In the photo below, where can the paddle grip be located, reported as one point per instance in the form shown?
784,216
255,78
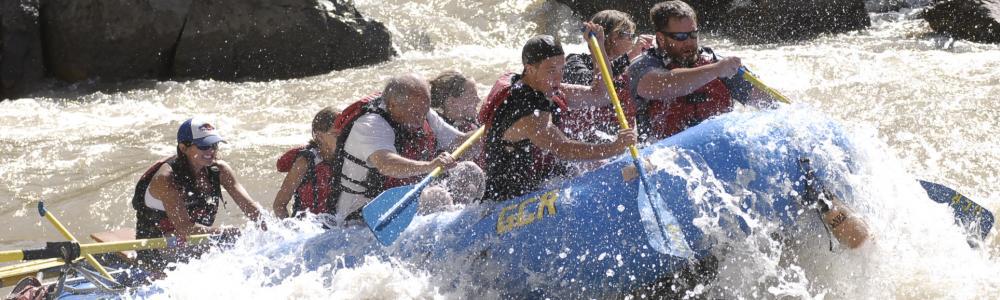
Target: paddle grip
67,251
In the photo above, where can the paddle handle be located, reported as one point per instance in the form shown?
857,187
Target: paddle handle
412,195
760,85
461,148
610,85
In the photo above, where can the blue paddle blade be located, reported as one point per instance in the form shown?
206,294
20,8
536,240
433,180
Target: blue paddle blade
385,224
968,213
662,229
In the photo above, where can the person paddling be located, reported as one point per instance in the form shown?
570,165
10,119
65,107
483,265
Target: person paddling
594,124
180,195
680,84
310,179
523,137
390,139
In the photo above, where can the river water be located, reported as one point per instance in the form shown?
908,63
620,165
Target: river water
929,104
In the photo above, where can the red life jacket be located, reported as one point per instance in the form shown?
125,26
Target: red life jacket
415,145
315,190
582,123
201,207
670,117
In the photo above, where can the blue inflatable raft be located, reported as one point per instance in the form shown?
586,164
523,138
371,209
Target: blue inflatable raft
589,235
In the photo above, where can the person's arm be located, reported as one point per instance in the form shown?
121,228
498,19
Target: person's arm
670,84
642,43
538,128
227,178
394,165
163,188
288,186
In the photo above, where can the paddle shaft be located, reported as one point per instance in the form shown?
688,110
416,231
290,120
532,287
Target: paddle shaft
760,85
98,248
609,84
66,234
412,194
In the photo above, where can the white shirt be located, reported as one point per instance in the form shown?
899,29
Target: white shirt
372,133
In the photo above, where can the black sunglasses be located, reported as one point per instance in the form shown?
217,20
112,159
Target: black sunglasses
206,148
203,148
681,36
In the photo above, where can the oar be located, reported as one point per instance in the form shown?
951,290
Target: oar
966,211
393,210
647,192
72,249
69,236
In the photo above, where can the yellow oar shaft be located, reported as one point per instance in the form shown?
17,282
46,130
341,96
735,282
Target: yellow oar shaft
106,247
461,148
760,85
610,85
65,233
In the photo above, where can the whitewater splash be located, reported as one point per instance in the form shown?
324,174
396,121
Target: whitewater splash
913,253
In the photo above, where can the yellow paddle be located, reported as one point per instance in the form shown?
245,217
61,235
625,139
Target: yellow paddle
674,241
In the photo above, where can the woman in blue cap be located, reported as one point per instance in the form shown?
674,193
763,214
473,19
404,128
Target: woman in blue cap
180,195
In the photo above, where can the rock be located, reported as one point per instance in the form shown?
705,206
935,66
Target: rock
111,39
117,40
265,39
974,20
21,64
752,21
767,21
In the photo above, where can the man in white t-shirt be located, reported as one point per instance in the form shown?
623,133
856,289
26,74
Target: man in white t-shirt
382,152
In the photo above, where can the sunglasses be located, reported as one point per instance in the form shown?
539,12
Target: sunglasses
626,34
204,148
681,36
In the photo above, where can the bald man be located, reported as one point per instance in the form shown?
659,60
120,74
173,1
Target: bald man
392,141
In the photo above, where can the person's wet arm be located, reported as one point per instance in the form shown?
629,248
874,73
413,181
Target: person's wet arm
670,84
239,194
288,186
541,132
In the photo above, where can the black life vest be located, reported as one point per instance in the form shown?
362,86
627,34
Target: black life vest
202,207
514,168
314,193
415,145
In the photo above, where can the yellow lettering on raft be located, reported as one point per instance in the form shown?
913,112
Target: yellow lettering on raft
508,220
522,218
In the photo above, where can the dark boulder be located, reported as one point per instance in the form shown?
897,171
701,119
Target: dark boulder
752,21
974,20
111,39
21,64
264,39
117,40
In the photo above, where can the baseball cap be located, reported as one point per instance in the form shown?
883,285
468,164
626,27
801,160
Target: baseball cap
540,47
199,131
